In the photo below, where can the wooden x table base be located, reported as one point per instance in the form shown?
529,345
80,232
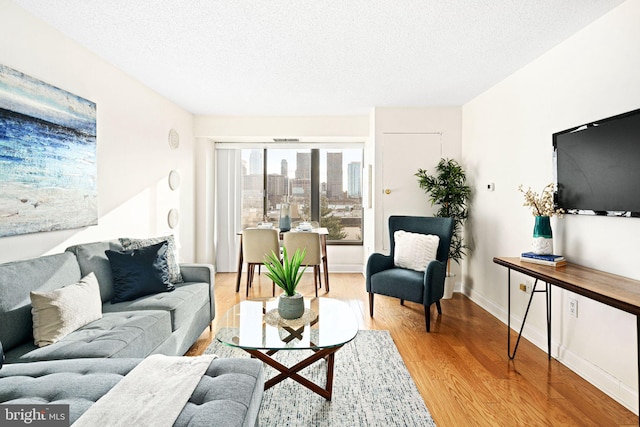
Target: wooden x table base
292,372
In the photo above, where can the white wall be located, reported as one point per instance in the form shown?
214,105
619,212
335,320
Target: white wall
133,123
210,129
265,128
444,120
507,140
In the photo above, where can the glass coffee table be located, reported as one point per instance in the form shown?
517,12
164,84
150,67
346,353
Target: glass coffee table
256,327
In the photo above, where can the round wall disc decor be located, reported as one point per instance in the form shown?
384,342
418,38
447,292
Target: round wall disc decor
173,218
174,139
174,179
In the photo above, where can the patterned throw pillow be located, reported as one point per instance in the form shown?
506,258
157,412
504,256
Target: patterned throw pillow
413,250
172,253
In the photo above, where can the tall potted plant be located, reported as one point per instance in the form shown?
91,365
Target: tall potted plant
448,189
286,274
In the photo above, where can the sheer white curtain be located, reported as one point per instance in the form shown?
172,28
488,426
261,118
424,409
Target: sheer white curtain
228,208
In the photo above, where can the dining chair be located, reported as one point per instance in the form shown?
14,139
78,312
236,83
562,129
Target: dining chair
313,257
257,244
325,265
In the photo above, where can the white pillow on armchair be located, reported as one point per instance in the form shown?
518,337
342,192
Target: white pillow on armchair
413,250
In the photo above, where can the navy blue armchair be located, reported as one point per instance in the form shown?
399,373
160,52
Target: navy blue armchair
422,287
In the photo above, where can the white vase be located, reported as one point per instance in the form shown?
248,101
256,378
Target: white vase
542,243
542,246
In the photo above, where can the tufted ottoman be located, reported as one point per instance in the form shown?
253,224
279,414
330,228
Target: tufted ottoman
229,394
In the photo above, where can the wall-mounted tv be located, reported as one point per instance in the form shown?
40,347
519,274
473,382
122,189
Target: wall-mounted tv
597,167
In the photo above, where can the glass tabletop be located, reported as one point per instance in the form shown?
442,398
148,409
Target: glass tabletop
255,325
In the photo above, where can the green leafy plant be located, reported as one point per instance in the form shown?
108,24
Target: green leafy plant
331,222
448,188
285,273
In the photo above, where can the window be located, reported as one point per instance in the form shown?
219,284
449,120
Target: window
320,185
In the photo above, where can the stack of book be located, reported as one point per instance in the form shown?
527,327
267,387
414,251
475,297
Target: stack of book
552,260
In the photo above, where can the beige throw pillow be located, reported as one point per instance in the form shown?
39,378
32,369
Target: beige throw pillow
62,311
413,250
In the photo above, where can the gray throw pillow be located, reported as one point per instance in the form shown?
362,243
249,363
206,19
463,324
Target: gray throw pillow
172,253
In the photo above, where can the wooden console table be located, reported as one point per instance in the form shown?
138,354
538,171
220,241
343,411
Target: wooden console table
610,289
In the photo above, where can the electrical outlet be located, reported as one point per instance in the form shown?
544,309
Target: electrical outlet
573,307
526,287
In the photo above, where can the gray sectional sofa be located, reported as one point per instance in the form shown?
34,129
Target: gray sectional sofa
167,323
86,363
228,395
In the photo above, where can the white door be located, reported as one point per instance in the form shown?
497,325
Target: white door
402,155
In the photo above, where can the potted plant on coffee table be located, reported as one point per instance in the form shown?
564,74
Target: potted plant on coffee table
286,274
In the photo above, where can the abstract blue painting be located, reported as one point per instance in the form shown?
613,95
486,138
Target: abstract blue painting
48,167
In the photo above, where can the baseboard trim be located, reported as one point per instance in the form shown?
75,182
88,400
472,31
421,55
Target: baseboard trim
346,268
605,382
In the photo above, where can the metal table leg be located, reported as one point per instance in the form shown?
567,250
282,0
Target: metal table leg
547,291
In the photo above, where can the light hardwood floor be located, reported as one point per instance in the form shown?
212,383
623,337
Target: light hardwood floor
461,368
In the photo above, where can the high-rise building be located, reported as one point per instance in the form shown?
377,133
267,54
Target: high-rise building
284,168
334,175
276,185
303,165
354,179
252,182
255,162
300,187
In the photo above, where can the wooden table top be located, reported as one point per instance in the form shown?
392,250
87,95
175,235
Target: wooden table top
616,291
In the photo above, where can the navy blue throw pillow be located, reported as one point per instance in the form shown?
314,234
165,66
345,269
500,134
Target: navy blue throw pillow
139,272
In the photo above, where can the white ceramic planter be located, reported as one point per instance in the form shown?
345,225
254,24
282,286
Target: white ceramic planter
449,283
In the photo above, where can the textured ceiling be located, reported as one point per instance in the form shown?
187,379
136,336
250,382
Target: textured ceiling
314,57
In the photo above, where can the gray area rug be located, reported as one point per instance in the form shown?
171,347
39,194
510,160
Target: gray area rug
371,387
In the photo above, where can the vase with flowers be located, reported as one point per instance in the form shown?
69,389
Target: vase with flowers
542,208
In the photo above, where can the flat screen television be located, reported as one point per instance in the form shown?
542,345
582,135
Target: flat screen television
597,167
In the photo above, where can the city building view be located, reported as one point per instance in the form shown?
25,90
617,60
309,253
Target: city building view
276,182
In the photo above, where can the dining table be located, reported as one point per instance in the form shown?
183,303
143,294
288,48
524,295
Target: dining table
322,231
